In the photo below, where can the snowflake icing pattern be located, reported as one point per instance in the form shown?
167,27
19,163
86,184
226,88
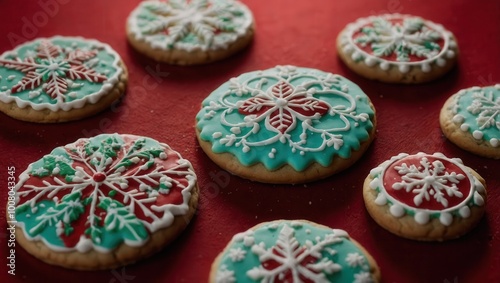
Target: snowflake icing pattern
53,67
179,19
487,109
281,107
429,180
117,187
287,261
411,37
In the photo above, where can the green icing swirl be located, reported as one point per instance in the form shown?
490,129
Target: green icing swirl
316,137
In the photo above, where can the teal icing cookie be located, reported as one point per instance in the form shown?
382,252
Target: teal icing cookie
294,251
287,116
59,74
471,119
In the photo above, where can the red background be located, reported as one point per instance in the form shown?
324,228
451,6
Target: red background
163,106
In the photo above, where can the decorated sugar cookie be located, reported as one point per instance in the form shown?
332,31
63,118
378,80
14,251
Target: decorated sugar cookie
188,32
293,251
471,120
425,197
103,202
397,48
60,79
286,124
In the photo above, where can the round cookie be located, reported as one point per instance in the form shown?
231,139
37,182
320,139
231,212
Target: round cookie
286,125
103,202
397,48
185,32
293,251
60,79
425,197
471,120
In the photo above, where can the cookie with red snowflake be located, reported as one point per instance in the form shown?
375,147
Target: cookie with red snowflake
60,79
427,197
471,120
189,32
103,202
286,125
294,251
397,48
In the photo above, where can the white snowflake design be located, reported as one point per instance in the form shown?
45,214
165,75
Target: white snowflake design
363,277
179,23
296,262
487,109
282,107
237,254
116,177
429,179
55,69
403,41
411,37
224,275
439,192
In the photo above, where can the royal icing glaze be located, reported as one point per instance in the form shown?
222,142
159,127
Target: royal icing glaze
286,115
477,110
402,41
293,251
58,73
98,193
190,24
426,187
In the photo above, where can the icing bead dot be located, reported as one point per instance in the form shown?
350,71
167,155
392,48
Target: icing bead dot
446,218
404,68
494,142
464,211
464,127
477,135
426,67
458,119
422,217
397,210
450,54
441,62
384,66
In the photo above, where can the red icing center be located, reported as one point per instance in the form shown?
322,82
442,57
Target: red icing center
99,177
428,185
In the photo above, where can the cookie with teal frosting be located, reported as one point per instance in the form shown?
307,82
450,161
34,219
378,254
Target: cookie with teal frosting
190,32
286,124
294,251
60,79
102,202
471,120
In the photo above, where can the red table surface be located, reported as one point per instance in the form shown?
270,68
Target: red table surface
161,102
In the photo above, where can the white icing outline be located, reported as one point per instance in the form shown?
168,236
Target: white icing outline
170,210
422,216
350,48
93,98
159,41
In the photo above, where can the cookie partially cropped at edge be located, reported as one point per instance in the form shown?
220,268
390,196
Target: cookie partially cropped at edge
60,79
397,48
185,32
471,120
103,202
293,251
286,125
425,197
